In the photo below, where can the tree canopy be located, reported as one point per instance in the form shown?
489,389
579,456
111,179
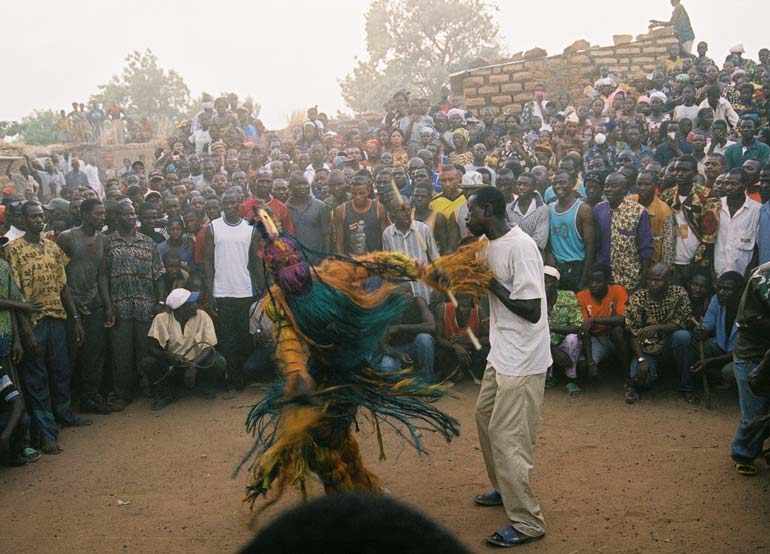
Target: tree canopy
145,89
416,45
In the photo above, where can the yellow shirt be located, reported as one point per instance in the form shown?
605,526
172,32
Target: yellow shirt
447,207
662,223
39,269
198,334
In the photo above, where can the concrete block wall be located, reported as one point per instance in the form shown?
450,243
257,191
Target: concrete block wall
507,85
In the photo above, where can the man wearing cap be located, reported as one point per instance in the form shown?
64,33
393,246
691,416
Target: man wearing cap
38,266
180,347
472,181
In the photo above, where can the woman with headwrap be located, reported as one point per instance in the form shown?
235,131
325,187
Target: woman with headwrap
456,118
656,117
461,155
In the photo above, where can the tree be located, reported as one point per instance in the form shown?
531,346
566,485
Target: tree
146,90
416,45
40,128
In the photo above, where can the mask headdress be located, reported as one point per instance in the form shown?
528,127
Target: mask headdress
283,257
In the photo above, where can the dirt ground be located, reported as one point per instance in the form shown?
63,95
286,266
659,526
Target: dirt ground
612,478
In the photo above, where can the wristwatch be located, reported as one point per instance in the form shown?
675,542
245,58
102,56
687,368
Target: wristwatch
640,359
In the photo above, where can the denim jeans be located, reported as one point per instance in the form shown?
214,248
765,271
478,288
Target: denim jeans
422,351
45,377
743,448
678,347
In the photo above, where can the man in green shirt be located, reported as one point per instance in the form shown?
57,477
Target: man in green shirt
752,352
748,148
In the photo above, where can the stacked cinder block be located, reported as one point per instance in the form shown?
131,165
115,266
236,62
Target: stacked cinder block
507,85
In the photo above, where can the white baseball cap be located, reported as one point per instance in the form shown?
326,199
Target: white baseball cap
177,297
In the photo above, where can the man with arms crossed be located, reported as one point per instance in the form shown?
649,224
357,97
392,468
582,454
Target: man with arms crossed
508,407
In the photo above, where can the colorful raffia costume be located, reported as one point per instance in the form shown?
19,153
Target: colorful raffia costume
326,325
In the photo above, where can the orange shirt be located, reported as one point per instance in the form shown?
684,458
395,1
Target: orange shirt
613,304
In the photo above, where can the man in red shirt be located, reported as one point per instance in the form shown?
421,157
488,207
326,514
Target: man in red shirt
604,318
261,187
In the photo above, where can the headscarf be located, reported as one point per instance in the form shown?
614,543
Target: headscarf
372,144
463,133
456,111
643,99
658,94
682,78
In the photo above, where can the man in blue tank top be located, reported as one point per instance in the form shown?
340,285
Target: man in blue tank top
571,243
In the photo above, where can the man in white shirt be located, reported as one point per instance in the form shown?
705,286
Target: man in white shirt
722,108
738,226
508,407
92,172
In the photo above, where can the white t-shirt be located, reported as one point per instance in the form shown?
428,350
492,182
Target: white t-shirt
686,241
518,347
231,258
201,139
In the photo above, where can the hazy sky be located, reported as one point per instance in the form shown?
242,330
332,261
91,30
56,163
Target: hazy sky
289,54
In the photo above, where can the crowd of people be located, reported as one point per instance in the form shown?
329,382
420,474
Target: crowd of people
97,124
649,202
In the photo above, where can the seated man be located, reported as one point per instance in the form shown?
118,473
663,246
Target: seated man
455,347
564,321
699,289
411,342
181,347
656,317
14,423
603,307
715,335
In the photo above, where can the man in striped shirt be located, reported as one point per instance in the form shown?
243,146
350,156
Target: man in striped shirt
411,237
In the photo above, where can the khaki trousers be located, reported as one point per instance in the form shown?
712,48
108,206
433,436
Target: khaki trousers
507,415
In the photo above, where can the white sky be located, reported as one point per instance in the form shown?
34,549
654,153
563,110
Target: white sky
289,54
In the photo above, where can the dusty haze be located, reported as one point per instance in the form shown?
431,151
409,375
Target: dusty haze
289,54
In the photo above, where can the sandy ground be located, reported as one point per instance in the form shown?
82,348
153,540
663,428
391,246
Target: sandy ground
654,477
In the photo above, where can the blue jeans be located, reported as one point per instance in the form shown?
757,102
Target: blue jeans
45,376
678,347
743,448
422,351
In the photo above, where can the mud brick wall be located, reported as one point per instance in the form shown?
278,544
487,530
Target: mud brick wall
507,85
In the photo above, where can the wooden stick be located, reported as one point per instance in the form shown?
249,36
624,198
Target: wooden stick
452,298
706,389
474,340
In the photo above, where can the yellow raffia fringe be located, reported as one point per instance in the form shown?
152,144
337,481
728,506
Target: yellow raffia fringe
463,272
